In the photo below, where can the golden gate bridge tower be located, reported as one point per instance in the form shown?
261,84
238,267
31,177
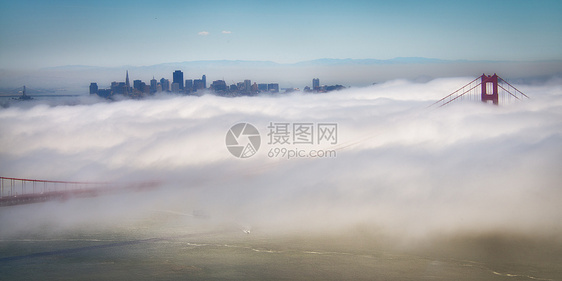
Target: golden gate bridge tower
489,83
484,88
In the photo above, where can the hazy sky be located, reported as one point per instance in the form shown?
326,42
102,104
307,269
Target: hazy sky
111,33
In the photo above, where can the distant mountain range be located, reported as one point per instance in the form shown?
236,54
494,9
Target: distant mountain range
347,72
399,60
251,63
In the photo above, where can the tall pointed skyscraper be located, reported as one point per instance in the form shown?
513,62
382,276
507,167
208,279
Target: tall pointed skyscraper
127,85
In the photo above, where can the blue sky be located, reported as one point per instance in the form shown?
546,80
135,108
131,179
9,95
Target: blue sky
38,34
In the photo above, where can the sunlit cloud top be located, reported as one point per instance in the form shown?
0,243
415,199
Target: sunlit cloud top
400,168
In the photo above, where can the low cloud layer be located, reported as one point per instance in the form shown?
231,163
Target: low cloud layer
401,168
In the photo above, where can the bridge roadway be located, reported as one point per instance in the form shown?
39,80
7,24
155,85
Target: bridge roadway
16,191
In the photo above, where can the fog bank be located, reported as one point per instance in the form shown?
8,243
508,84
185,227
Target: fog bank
401,170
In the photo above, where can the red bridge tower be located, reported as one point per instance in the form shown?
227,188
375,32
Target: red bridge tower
489,88
484,88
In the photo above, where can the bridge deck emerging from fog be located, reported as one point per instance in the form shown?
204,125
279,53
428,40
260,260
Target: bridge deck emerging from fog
484,88
17,191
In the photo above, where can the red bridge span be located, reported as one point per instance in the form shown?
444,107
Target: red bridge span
17,191
486,88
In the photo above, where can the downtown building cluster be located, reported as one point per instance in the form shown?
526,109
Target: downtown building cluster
178,85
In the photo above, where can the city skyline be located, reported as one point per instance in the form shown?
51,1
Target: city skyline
178,85
346,72
39,34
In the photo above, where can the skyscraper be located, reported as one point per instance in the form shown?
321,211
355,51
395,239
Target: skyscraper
127,84
262,87
273,87
165,83
219,86
198,84
204,78
176,87
153,85
189,85
315,83
137,85
178,78
255,87
93,88
119,88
